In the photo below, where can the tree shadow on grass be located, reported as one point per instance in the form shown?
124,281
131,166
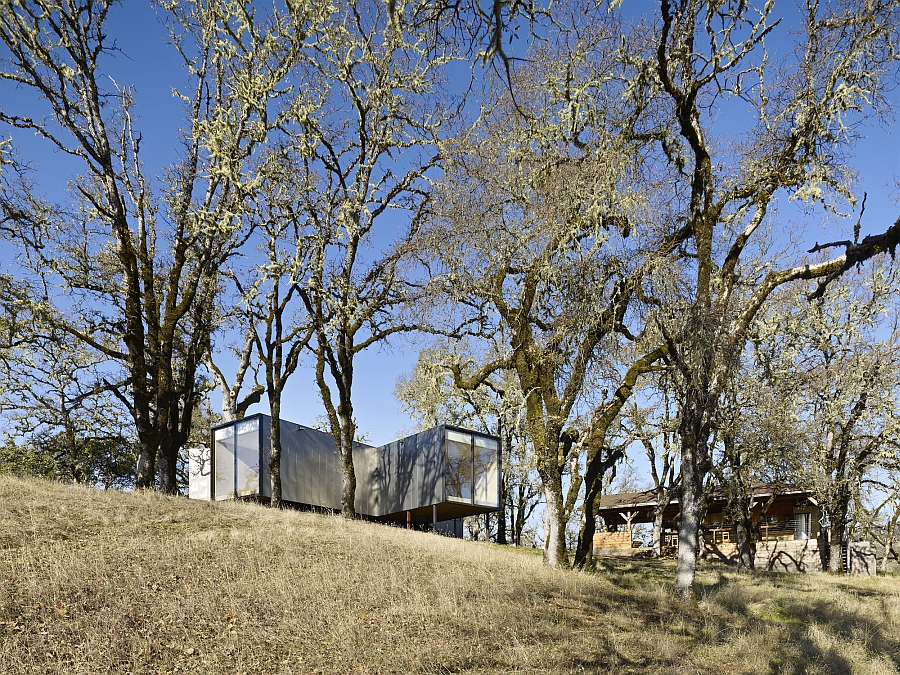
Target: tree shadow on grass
847,627
630,573
798,651
785,627
619,627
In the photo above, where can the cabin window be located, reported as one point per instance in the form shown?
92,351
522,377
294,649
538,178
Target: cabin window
224,444
487,484
237,459
459,467
473,469
247,458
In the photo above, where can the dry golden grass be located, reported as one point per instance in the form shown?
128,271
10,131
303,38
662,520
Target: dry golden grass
97,582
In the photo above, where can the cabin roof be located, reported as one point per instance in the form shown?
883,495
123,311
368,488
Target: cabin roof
647,498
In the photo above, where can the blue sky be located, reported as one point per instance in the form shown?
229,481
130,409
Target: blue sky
153,68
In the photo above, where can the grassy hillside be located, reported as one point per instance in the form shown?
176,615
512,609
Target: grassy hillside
97,582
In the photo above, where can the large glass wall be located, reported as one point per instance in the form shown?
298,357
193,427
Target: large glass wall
247,456
473,469
487,472
237,459
459,467
224,476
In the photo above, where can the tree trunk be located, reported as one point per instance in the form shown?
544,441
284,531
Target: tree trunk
601,458
519,523
164,466
691,498
275,449
740,509
170,442
501,515
348,473
145,474
584,548
886,556
598,464
836,539
656,543
555,553
697,410
889,541
167,465
746,545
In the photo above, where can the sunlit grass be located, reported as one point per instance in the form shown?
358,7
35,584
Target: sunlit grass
97,582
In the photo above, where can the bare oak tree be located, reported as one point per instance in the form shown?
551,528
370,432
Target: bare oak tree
129,271
532,233
370,130
700,59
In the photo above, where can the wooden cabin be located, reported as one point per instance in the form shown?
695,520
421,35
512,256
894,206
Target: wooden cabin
789,538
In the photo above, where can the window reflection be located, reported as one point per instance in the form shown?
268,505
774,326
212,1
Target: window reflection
487,488
459,467
247,444
224,475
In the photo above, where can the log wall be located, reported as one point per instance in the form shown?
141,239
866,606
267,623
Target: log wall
614,544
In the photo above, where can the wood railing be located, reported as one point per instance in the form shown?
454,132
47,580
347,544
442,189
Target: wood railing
727,535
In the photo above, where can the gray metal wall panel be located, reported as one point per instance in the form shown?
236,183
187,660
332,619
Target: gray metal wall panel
331,482
406,474
419,469
365,463
439,453
303,472
430,446
310,467
387,479
300,466
406,463
291,468
359,466
440,466
411,462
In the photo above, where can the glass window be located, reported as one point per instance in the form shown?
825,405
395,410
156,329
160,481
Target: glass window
224,444
459,467
487,474
198,473
247,450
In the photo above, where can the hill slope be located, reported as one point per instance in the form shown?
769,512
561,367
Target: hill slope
96,582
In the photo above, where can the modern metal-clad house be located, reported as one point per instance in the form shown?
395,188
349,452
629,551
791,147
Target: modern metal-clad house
433,477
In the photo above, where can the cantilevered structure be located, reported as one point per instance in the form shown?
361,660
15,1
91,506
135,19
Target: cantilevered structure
433,477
